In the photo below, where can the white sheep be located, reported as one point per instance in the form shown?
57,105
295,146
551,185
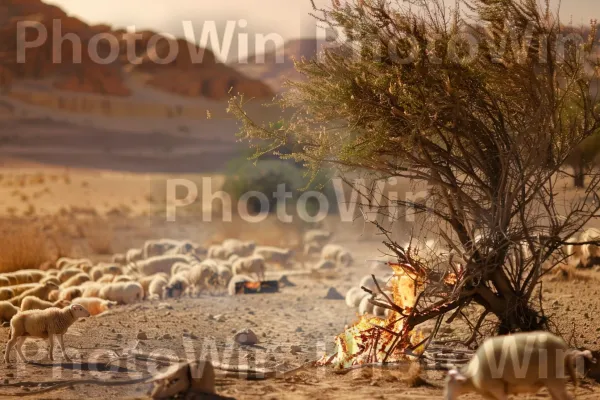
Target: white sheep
7,311
159,247
44,324
70,293
589,252
67,273
76,280
123,278
4,281
529,360
119,258
95,305
365,306
250,265
18,289
6,293
338,254
108,278
354,297
275,255
155,265
573,253
91,289
239,247
34,303
40,291
224,274
218,252
105,268
177,286
180,267
134,255
28,276
51,279
157,286
122,292
237,279
314,240
145,281
203,275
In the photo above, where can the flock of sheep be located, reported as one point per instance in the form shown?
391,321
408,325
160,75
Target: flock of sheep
32,300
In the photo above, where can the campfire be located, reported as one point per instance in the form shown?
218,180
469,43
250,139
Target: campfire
373,339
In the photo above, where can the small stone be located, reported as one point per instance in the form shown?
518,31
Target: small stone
219,318
10,375
210,317
246,337
285,282
333,294
167,337
295,349
278,349
119,336
142,335
299,329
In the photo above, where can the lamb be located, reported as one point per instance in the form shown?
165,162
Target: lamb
91,289
224,274
354,297
203,274
28,276
338,254
70,293
250,265
157,286
108,278
103,269
155,265
18,289
153,248
530,360
134,255
177,286
43,324
7,311
51,279
67,273
33,303
235,279
6,293
40,291
275,255
180,267
4,281
590,253
145,281
365,306
95,305
76,280
122,292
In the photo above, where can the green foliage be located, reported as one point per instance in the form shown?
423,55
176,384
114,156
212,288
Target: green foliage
265,176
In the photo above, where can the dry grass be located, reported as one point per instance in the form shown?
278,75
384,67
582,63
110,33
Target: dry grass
269,232
565,273
23,248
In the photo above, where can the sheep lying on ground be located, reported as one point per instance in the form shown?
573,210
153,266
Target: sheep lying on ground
275,255
4,281
202,275
337,254
119,259
354,297
108,278
18,289
250,265
122,292
95,305
51,279
67,273
40,291
530,361
70,293
34,303
76,280
123,278
44,324
218,252
7,311
102,269
145,281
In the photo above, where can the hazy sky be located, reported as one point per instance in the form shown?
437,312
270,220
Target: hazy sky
287,18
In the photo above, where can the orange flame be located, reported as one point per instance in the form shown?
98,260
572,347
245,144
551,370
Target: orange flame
370,339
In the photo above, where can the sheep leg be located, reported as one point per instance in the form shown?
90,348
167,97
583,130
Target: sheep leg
9,345
61,343
18,346
50,347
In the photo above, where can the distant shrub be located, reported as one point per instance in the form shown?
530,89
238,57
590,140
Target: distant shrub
266,176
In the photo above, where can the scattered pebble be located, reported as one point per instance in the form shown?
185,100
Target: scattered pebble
333,294
142,335
295,349
246,337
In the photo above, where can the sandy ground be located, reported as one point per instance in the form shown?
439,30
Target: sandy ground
199,327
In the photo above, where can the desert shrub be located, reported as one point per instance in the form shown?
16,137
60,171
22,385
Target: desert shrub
23,248
265,177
